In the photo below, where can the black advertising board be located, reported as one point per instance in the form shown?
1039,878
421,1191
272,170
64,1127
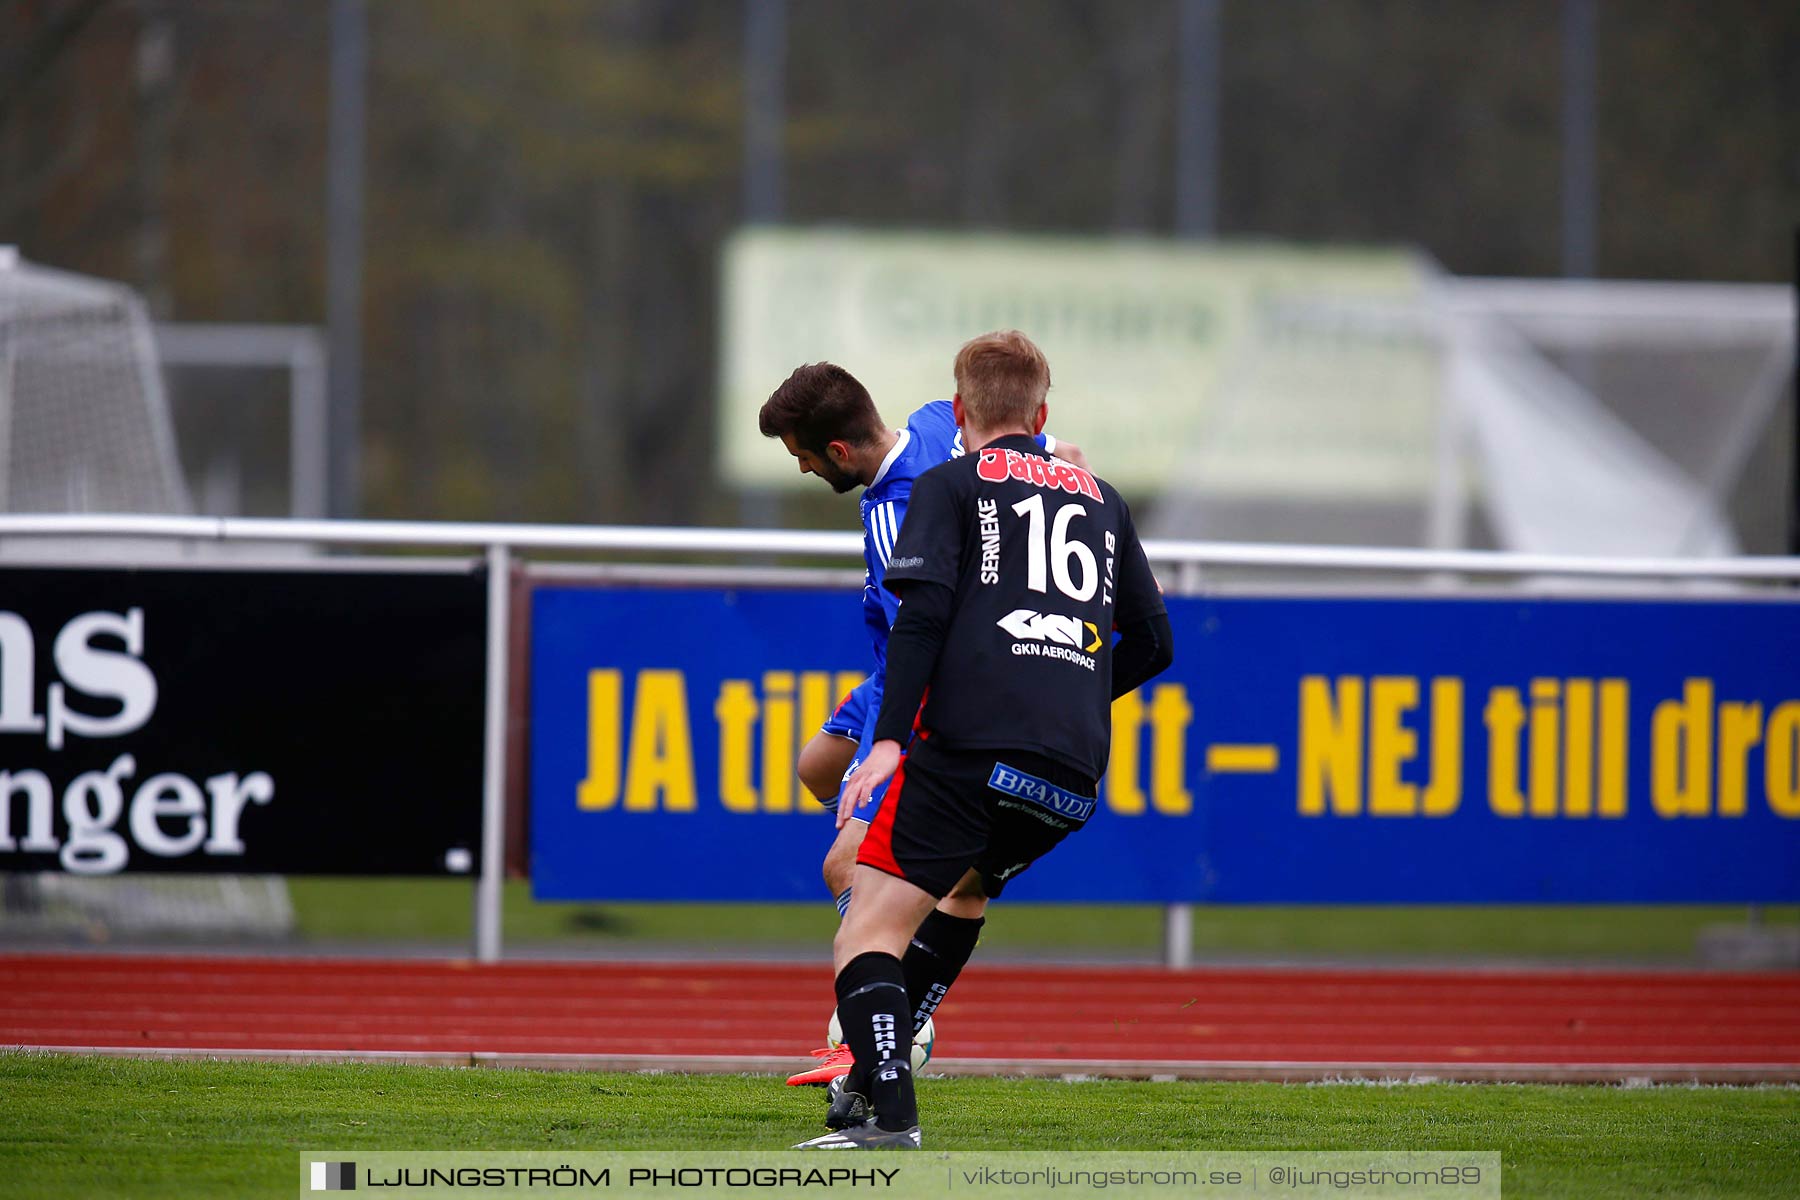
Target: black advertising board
305,722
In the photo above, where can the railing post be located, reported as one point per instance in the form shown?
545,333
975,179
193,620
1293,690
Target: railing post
493,761
1178,936
1178,919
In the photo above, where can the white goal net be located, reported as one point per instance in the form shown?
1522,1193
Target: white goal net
84,427
1591,418
70,908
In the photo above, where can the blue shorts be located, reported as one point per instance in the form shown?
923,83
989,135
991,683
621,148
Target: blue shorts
852,714
855,721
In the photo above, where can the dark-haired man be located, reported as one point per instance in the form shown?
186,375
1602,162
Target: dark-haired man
828,422
1013,572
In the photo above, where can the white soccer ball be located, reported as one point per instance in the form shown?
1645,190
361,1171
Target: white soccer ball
923,1041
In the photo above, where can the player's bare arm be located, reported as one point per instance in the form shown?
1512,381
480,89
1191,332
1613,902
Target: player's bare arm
1070,453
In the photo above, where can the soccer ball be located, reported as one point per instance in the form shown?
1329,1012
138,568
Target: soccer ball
923,1041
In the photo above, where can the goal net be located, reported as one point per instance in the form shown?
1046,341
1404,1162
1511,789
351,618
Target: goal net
84,427
184,908
1592,418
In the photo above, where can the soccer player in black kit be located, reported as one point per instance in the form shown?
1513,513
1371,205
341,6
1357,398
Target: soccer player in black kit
1013,572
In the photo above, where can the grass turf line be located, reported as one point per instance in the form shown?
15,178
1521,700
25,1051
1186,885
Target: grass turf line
440,910
114,1127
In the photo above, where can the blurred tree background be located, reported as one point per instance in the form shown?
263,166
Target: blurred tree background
548,182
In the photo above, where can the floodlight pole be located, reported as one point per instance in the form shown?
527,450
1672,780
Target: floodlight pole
765,108
344,249
1754,917
1197,119
1580,207
765,126
1793,524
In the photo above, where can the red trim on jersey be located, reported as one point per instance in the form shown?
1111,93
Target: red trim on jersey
877,849
919,717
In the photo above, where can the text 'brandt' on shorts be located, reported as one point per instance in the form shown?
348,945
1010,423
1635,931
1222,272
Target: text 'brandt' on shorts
995,811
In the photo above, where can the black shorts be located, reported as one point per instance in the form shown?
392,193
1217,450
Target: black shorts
997,811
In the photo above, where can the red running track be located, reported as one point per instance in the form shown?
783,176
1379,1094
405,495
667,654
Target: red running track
1221,1023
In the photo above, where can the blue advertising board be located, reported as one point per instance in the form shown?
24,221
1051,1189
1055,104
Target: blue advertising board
1300,750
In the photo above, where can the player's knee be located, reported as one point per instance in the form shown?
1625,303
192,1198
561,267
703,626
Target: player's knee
843,944
857,934
821,784
969,908
822,763
839,867
966,899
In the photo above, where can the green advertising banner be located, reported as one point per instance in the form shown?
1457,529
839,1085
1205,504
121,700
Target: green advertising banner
1239,369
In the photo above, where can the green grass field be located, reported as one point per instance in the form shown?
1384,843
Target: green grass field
441,910
74,1127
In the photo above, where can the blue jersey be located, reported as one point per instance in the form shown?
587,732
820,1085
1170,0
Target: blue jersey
930,437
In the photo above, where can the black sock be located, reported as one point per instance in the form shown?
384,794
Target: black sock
871,992
939,951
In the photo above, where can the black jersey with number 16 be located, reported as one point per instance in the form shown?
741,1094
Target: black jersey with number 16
1043,561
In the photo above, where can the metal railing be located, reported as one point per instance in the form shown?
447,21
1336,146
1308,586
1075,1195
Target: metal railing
499,543
815,544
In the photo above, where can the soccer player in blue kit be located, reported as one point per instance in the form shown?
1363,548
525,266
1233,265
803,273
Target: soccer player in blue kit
827,421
